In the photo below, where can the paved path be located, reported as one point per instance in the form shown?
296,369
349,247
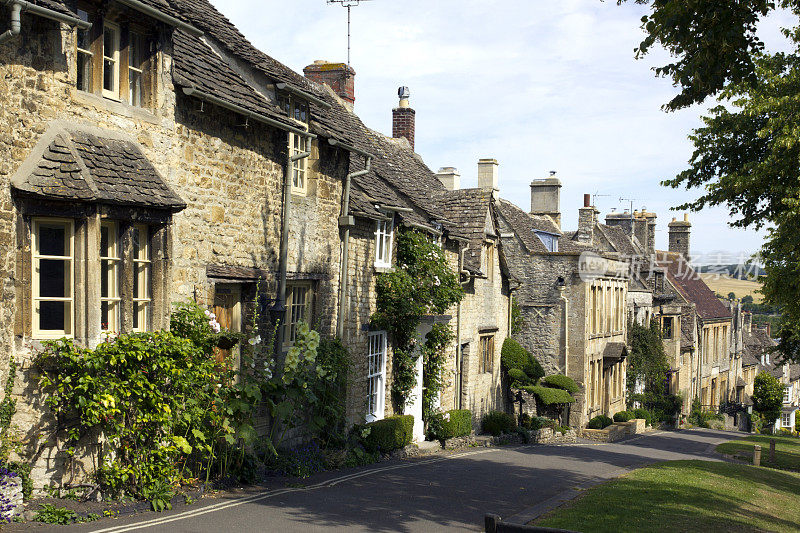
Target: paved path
440,493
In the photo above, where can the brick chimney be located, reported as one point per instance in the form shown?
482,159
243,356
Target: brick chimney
403,118
587,217
338,76
450,178
679,231
546,198
489,175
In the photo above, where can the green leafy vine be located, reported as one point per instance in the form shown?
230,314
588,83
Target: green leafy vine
422,284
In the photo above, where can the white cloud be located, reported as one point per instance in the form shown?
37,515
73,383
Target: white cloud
539,85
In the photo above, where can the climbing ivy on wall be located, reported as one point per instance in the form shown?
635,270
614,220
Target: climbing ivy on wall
422,284
434,358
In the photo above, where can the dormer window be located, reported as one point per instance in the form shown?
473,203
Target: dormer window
294,107
550,240
113,61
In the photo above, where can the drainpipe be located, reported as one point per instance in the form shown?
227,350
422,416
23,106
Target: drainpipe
345,221
17,6
16,23
565,325
459,355
280,302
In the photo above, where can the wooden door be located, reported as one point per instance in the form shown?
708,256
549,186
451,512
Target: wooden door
227,308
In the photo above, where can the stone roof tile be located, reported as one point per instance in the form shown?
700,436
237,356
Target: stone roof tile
691,286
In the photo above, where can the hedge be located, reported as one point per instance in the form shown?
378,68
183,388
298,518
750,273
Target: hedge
497,422
643,413
455,423
536,422
389,434
599,422
623,416
560,381
549,395
514,356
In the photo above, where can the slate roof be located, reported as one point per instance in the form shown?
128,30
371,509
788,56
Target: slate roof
691,286
86,167
525,227
619,240
468,209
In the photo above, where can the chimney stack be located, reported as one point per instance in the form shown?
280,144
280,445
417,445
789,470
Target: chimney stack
679,231
450,178
488,176
338,76
404,118
587,217
546,198
748,321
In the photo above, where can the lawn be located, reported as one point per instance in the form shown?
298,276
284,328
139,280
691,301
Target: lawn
686,496
787,450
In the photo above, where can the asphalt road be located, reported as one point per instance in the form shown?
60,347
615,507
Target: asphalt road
439,493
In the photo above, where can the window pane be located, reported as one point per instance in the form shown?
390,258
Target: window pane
54,316
135,88
52,239
109,42
84,72
109,75
53,279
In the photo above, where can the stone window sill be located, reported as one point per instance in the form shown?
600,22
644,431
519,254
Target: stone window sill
117,107
382,269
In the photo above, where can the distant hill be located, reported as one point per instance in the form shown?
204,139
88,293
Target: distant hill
723,285
738,271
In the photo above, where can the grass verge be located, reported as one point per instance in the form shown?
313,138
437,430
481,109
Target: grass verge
787,451
686,496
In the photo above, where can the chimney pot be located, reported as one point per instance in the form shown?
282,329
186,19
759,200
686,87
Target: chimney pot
686,217
404,118
587,200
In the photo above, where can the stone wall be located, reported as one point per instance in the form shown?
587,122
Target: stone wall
229,175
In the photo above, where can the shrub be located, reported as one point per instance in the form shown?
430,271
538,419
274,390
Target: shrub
497,422
534,423
513,355
599,422
560,381
455,423
644,414
518,378
623,416
392,433
767,397
301,461
549,395
562,429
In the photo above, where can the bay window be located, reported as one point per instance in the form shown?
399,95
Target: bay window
52,282
141,277
110,261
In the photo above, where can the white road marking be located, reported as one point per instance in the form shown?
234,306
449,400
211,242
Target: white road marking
277,492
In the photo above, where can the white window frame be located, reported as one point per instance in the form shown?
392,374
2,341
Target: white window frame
113,299
786,420
114,58
84,52
300,144
135,43
549,240
142,271
36,299
384,242
296,311
787,394
376,375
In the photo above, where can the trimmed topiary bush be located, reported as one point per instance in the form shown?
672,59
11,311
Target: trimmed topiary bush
455,423
623,416
518,378
644,414
560,381
549,395
514,356
392,433
599,422
497,423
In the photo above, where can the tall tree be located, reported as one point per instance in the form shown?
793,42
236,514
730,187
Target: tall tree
747,152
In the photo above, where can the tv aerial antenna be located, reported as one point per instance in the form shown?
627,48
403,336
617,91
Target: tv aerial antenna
348,4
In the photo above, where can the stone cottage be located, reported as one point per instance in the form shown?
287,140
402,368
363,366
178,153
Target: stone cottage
573,296
150,154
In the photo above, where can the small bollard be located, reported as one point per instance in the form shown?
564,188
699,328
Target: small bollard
772,451
756,455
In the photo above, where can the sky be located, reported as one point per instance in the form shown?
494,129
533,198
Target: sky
538,85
